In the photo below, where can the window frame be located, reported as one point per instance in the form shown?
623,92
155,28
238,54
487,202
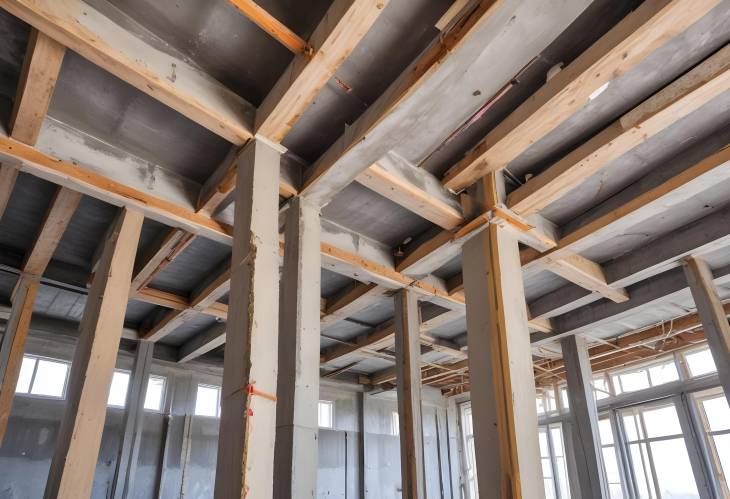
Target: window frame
36,359
126,392
163,395
218,401
331,405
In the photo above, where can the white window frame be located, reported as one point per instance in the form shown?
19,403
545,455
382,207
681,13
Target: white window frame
218,401
163,396
331,406
37,358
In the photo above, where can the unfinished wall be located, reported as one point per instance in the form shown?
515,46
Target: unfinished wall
187,444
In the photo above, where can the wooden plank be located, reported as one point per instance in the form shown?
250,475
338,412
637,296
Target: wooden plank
8,176
62,207
77,448
38,77
350,301
13,345
585,435
343,26
202,343
278,31
171,80
297,426
408,369
245,463
587,274
414,189
667,107
500,366
624,47
156,256
713,316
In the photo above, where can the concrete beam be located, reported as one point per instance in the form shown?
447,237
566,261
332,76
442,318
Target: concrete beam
245,464
587,450
712,314
500,367
297,391
79,437
408,379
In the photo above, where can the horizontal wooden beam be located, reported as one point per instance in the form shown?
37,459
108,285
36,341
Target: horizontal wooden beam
343,26
156,256
167,78
278,31
587,274
676,101
624,47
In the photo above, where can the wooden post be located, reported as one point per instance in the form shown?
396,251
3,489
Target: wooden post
13,345
500,368
298,380
408,370
248,408
77,448
129,450
712,315
586,440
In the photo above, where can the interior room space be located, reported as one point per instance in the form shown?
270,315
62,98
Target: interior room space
373,249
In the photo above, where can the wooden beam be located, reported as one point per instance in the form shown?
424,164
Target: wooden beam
586,274
13,345
413,188
343,26
667,107
156,256
408,369
171,80
713,316
278,31
624,47
296,451
500,366
349,301
245,464
8,176
38,76
77,447
202,343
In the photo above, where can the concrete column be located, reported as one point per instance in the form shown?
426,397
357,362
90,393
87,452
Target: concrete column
79,437
712,315
408,371
584,415
132,426
13,345
500,368
297,423
245,465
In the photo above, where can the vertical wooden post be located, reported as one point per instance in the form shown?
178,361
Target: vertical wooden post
13,344
77,448
408,370
584,415
500,369
712,315
248,410
298,379
132,425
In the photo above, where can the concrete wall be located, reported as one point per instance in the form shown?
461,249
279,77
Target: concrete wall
187,444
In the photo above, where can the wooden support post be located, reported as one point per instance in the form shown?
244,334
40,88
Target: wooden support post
248,407
500,367
408,372
13,344
713,316
123,484
584,415
77,448
298,380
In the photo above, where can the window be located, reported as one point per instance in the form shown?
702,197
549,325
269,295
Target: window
208,401
658,453
467,431
326,410
43,377
546,402
118,389
645,377
564,402
554,466
700,362
155,396
394,423
610,459
715,418
601,388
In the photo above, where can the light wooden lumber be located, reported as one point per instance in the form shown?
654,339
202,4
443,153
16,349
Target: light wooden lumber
38,77
8,176
278,31
624,47
167,78
156,256
587,274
